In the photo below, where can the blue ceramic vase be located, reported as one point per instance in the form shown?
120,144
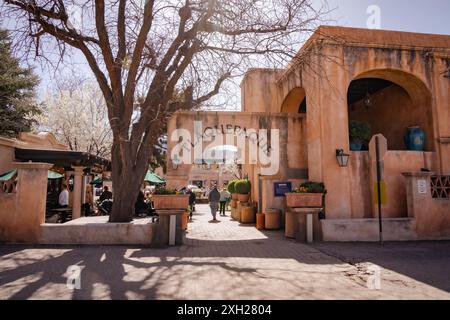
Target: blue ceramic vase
415,139
355,146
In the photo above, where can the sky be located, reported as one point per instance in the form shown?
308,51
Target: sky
425,16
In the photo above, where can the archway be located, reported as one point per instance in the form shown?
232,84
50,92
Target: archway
295,101
217,167
391,101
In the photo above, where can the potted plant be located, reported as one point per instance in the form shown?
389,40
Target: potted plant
243,188
232,189
360,134
165,198
308,195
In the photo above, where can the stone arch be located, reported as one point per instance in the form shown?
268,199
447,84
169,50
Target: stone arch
393,100
295,101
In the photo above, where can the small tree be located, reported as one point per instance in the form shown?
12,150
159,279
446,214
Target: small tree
17,98
76,113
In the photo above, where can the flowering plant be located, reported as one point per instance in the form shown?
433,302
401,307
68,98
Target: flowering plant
311,187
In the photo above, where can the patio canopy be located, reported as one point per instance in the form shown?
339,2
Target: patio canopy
97,181
65,159
154,178
8,175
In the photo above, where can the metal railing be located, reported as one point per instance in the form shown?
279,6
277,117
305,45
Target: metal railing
440,187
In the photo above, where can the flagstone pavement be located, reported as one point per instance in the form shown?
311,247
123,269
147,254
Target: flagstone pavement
226,260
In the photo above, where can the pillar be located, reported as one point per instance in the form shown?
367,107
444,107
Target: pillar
30,202
77,191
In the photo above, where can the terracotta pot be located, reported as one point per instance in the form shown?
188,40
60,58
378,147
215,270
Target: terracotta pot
308,200
238,212
260,221
234,196
291,225
234,203
243,197
233,212
272,219
247,215
170,201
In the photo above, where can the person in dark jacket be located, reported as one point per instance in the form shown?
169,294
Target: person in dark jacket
106,194
192,198
214,198
140,207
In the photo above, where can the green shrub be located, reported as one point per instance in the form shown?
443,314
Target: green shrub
165,191
231,186
359,132
242,186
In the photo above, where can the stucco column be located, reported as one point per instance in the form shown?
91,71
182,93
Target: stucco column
77,189
30,201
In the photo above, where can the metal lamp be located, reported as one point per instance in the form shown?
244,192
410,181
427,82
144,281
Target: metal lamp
342,158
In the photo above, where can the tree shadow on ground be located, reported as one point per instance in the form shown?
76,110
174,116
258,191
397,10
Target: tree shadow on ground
424,261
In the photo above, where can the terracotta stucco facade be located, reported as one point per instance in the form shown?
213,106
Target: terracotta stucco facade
417,67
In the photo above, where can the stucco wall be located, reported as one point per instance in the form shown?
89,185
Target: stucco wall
368,230
361,204
22,213
97,230
259,92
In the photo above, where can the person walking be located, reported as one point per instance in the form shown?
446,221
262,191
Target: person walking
224,196
214,199
192,198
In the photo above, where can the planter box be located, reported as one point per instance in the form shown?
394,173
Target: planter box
170,201
304,200
234,196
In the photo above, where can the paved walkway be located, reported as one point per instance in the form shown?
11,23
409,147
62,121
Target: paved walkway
221,260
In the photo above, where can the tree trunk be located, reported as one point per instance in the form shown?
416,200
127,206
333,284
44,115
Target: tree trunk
127,181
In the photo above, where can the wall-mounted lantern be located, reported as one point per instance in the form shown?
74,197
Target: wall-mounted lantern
342,158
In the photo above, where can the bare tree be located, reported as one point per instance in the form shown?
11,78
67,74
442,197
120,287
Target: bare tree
142,53
75,111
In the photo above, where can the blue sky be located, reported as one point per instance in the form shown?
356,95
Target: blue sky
426,16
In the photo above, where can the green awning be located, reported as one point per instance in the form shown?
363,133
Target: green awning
153,178
54,175
97,181
8,175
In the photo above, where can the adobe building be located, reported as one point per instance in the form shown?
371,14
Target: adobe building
27,164
390,80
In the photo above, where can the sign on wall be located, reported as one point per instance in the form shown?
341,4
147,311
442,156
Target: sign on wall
281,188
422,186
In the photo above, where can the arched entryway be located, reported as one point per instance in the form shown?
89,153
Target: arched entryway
390,101
295,101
